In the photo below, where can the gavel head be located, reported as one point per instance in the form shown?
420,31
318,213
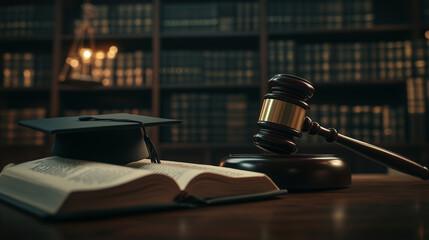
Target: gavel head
282,114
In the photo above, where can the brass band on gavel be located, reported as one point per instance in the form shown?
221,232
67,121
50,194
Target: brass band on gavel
283,113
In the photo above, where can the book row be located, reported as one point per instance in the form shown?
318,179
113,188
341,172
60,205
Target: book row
214,118
121,18
127,69
373,124
26,20
135,18
212,16
209,67
350,62
313,14
12,133
26,70
320,63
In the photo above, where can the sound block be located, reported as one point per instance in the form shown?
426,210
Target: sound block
295,172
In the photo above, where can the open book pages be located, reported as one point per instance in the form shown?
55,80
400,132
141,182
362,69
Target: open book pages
56,184
183,173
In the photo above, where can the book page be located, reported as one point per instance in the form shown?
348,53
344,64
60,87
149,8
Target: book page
73,174
46,183
183,173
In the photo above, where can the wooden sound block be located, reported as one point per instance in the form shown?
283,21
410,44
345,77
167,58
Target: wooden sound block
297,171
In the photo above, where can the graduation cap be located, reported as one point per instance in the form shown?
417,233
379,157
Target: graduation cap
113,138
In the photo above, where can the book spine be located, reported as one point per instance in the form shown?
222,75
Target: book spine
211,117
333,14
26,20
119,18
212,17
214,68
373,124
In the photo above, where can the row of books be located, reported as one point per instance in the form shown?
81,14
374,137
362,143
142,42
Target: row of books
26,20
313,14
212,16
12,133
128,69
209,67
214,118
324,62
374,124
123,18
26,70
350,62
132,18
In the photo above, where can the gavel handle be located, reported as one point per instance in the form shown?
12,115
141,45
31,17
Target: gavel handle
372,152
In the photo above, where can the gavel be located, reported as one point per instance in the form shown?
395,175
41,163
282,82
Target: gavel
283,118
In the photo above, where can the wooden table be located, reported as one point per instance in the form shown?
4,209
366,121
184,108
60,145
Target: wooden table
375,207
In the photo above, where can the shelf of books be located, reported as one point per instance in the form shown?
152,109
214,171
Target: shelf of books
207,63
26,73
19,21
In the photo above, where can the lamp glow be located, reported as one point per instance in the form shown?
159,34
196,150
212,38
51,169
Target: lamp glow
86,54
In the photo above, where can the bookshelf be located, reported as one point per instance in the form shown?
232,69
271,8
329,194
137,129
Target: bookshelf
227,50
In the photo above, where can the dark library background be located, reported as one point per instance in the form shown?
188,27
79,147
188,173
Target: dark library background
208,62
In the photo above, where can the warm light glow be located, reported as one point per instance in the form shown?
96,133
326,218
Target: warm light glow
357,109
427,34
137,71
336,163
86,54
420,63
100,55
377,109
105,82
113,49
111,55
27,73
74,63
98,63
107,72
97,72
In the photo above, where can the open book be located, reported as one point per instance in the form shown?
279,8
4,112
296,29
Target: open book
59,186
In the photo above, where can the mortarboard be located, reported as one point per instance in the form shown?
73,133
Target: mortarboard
113,138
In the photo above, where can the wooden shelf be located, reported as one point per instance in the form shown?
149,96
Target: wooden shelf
25,90
35,38
377,29
104,89
209,34
15,2
70,37
361,93
205,87
22,146
374,83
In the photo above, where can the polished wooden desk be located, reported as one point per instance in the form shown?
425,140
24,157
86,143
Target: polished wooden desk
375,207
